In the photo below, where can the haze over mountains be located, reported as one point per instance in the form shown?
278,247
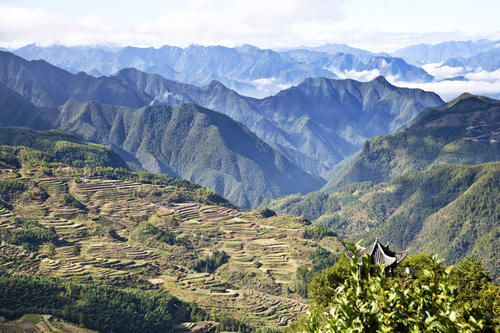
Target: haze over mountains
448,68
315,125
422,54
246,69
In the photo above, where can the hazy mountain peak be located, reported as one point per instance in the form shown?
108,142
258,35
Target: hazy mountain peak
247,48
381,79
419,54
468,98
216,84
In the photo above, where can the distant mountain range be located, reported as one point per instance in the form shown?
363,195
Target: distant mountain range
247,69
315,125
262,72
333,48
421,54
345,64
487,60
46,85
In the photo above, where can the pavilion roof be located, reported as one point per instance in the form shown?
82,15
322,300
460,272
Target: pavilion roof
380,254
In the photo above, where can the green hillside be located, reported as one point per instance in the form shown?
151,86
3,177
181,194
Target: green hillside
87,243
452,210
62,146
463,131
26,114
193,143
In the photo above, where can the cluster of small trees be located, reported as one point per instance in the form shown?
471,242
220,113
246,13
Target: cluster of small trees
70,201
320,259
152,235
97,307
29,234
210,263
318,232
9,187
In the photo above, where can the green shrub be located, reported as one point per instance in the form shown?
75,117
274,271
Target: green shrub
29,234
377,305
318,232
266,212
70,201
211,263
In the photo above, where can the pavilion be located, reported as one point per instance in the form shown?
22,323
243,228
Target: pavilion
379,254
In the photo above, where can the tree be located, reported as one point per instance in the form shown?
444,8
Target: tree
51,251
323,285
76,250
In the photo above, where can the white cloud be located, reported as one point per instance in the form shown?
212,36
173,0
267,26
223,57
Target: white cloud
482,75
366,75
442,72
206,22
264,82
479,82
451,89
267,87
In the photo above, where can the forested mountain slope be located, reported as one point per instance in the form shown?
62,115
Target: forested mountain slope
463,131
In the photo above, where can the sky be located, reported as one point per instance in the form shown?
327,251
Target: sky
376,25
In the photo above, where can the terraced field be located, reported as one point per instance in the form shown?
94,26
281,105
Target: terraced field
107,237
35,323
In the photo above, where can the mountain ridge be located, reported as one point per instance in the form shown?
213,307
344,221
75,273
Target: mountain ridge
246,69
272,120
187,141
434,53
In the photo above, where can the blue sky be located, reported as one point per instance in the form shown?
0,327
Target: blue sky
378,25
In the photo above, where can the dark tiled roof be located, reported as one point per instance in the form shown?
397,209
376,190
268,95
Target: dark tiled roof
379,254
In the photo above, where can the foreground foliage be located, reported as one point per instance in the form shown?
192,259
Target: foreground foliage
434,299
